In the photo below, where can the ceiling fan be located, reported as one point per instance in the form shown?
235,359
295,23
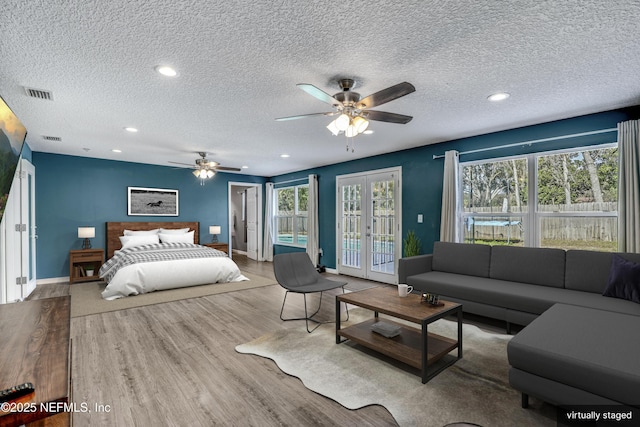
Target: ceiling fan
353,112
205,168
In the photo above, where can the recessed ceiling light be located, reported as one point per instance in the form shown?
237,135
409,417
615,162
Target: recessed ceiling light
500,96
130,129
115,150
284,156
245,167
166,71
368,132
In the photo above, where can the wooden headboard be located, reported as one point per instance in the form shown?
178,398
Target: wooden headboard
116,229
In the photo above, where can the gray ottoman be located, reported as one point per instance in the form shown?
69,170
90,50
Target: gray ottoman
574,355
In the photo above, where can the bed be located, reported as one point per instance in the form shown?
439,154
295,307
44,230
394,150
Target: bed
158,256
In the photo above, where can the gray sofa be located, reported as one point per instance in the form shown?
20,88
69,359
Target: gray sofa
579,348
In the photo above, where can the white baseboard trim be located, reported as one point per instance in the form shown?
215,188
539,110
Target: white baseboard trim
51,280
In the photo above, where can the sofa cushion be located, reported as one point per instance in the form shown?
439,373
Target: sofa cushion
589,270
624,280
589,349
462,258
537,266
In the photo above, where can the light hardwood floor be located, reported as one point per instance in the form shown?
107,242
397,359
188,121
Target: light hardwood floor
175,364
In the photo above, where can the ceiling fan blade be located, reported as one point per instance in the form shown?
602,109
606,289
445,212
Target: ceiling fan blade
383,116
386,95
319,94
225,168
178,163
282,119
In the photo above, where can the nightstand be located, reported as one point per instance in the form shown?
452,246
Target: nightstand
80,262
224,247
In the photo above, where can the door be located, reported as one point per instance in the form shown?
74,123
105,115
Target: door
252,223
19,232
369,227
29,235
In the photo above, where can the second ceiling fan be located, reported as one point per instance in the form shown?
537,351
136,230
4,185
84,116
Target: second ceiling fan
354,112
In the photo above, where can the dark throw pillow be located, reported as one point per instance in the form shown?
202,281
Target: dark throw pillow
624,280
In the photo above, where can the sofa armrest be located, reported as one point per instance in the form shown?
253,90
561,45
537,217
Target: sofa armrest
413,265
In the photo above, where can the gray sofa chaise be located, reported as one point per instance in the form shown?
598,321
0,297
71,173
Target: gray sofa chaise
514,284
579,348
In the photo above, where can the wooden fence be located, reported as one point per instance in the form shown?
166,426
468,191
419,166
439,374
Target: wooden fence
603,229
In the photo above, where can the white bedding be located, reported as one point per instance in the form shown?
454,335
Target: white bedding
169,274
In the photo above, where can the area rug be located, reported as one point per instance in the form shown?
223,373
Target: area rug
475,389
86,298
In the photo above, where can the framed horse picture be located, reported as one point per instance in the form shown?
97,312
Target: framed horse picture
152,202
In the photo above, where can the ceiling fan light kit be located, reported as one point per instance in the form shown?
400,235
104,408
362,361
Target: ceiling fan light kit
354,113
205,168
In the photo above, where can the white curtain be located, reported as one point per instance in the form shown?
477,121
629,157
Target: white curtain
449,227
267,249
312,220
629,186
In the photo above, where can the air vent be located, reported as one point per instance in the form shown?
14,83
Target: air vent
51,138
39,93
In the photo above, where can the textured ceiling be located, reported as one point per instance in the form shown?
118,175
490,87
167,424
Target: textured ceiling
239,62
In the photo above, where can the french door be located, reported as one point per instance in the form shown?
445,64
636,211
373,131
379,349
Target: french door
368,237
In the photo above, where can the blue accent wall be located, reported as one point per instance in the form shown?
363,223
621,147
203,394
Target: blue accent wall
422,174
80,191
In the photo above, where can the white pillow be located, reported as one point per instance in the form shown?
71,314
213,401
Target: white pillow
140,232
177,238
173,230
145,239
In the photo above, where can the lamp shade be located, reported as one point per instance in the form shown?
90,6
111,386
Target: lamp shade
342,122
86,232
360,124
214,229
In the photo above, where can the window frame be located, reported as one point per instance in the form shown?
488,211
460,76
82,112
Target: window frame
294,217
532,218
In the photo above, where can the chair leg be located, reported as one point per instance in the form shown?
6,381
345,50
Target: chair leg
308,317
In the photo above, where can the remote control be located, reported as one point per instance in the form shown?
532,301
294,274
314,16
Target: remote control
15,392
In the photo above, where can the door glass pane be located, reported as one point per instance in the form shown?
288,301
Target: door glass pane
351,221
381,227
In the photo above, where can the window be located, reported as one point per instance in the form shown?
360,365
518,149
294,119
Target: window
291,215
575,194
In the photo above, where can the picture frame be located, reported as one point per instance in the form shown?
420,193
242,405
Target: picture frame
142,201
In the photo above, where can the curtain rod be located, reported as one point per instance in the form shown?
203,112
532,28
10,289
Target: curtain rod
535,141
306,178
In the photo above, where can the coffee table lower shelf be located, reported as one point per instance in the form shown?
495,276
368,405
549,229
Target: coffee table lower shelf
405,347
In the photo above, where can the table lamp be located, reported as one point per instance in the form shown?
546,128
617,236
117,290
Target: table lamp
86,233
214,230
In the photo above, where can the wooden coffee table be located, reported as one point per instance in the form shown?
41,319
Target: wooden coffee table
415,347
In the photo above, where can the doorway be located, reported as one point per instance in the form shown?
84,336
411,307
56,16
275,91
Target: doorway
369,211
245,221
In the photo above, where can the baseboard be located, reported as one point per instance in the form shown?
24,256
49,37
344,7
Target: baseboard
51,280
331,270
